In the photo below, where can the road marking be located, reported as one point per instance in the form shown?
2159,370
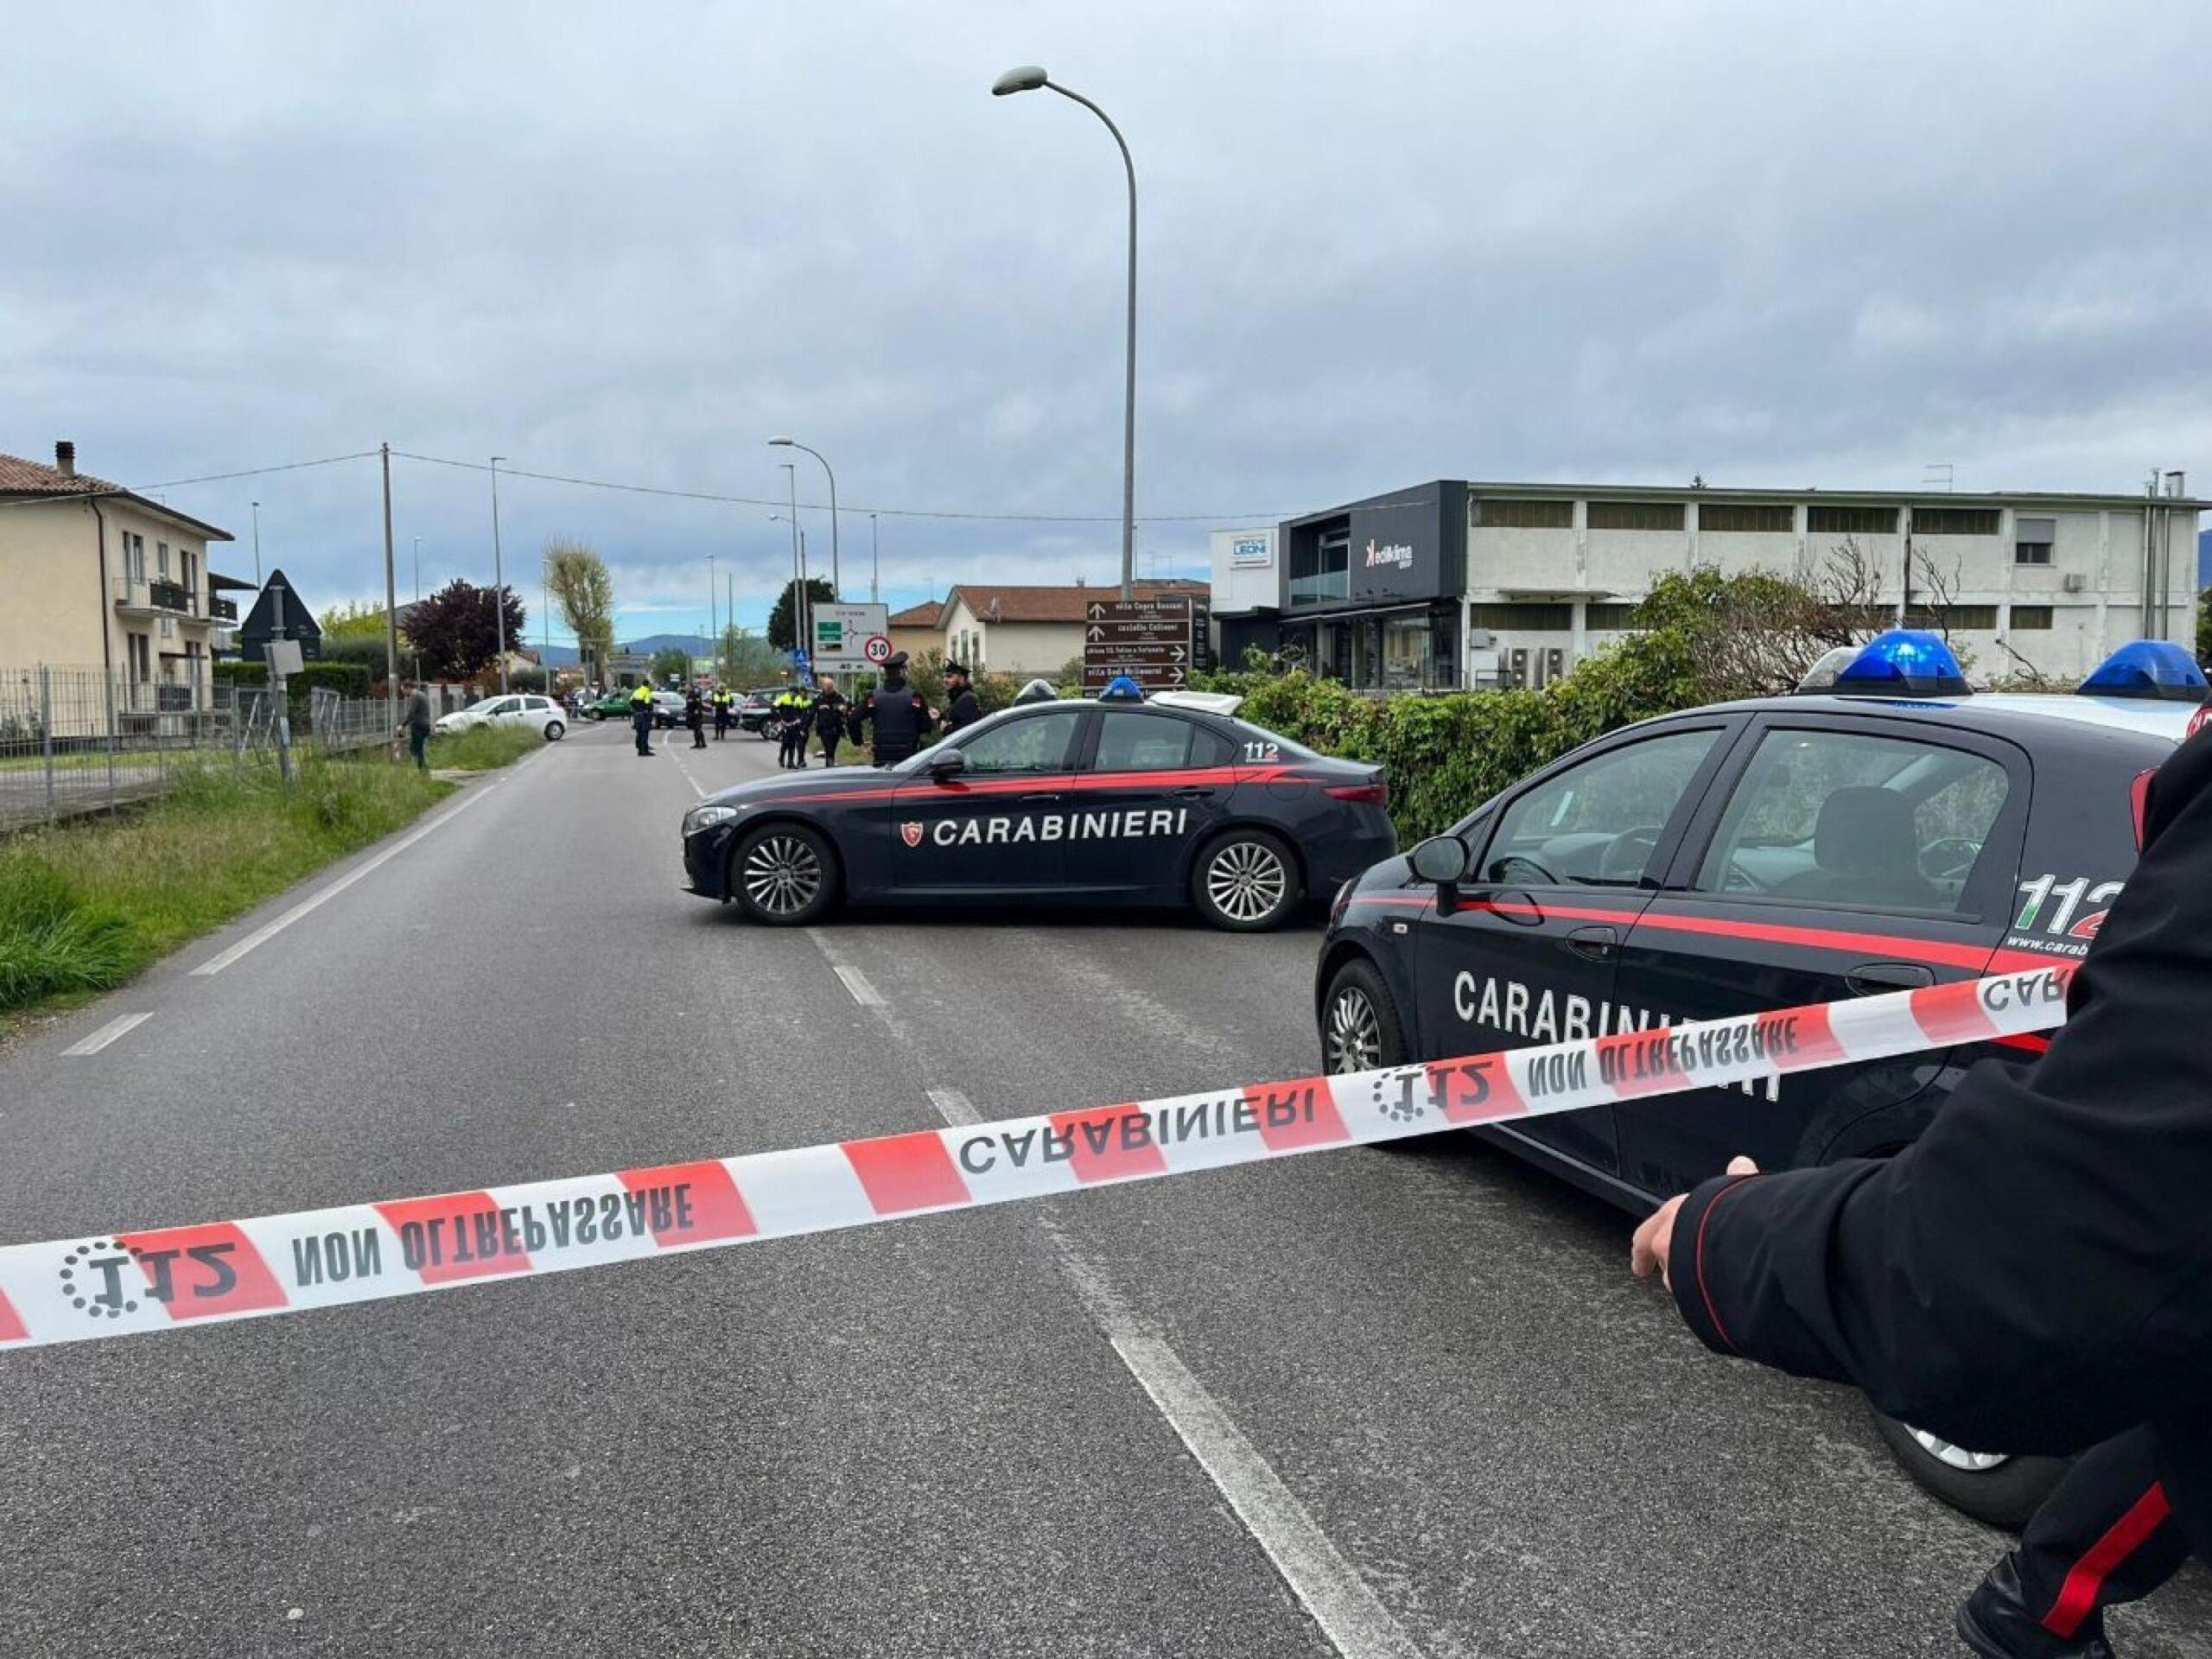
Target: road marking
856,982
690,780
108,1033
261,936
1327,1586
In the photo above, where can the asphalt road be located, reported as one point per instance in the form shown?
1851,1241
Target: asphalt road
1367,1404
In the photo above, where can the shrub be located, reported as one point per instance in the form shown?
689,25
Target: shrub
51,942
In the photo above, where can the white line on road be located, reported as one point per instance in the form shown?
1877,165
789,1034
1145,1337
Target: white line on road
856,982
690,780
108,1033
1327,1586
261,936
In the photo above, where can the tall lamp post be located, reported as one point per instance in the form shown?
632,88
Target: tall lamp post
418,566
801,634
793,443
714,640
499,579
875,565
257,544
1029,79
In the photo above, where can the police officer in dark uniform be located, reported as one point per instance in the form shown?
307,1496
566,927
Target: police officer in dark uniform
961,708
792,707
828,716
895,710
695,716
2034,1274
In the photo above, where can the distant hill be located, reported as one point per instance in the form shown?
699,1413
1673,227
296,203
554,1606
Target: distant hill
697,644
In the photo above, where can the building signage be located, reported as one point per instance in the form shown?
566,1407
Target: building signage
1159,643
1255,551
842,634
1396,550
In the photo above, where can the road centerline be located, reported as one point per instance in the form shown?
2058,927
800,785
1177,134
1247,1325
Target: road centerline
1329,1588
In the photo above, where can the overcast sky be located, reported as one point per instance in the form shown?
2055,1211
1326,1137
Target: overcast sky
1771,244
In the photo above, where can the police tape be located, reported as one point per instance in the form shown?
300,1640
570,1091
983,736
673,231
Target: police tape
123,1283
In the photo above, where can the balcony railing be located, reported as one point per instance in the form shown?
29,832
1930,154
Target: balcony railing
222,610
1329,584
138,594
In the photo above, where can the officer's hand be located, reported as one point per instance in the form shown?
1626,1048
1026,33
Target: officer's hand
1649,1250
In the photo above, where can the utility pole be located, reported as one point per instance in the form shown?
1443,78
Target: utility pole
418,568
875,565
256,544
800,633
499,581
391,606
713,638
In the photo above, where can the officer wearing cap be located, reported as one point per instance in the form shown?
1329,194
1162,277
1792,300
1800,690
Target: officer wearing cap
895,711
2034,1274
961,708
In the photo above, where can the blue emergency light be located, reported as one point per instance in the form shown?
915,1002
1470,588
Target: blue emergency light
2157,669
1902,663
1121,689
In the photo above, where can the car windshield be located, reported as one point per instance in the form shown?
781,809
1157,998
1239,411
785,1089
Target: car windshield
483,705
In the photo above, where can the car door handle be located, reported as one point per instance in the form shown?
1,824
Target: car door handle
1594,944
1193,793
1045,795
1873,978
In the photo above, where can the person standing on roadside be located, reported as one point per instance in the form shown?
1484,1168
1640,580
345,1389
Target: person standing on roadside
641,715
695,716
2034,1274
961,708
828,716
722,712
793,706
895,713
414,720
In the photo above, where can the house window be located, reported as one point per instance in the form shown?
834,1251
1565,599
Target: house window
134,556
141,657
1951,616
2031,616
162,559
1954,521
1635,515
2031,540
1505,512
1852,521
1746,518
1610,619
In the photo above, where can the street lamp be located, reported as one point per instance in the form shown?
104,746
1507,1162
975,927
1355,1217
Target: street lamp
1029,79
418,566
499,579
793,443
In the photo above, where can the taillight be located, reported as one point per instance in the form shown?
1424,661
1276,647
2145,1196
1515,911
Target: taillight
2139,803
1375,794
2199,720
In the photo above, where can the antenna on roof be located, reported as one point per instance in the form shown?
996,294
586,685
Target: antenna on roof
1948,474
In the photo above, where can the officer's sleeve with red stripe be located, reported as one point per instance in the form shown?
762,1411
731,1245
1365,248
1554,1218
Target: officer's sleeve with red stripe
2035,1273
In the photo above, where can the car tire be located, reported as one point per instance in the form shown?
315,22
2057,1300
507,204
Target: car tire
1360,1028
2002,1493
554,731
1245,881
784,875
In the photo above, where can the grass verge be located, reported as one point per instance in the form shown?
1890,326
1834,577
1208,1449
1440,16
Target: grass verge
483,747
85,905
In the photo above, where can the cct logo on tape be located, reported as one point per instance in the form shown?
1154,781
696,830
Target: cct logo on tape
116,1284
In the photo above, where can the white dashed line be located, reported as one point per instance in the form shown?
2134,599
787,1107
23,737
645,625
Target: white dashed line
856,982
690,780
108,1033
261,936
1328,1587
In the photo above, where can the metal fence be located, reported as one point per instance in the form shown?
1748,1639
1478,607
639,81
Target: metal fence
86,740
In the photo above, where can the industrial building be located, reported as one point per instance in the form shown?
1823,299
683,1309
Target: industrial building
1452,583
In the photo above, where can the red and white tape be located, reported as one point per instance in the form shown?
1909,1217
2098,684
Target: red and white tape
121,1283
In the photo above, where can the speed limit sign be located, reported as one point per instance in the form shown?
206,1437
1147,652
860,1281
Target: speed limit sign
878,648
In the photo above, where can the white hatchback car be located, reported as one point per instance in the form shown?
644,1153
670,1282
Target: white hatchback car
547,717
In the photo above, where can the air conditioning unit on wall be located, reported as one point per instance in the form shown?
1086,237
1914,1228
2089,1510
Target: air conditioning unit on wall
2076,581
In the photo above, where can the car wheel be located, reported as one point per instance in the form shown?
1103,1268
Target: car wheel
1998,1490
554,731
1246,883
783,874
1360,1028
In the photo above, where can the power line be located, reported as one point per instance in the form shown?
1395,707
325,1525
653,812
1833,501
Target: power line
818,506
112,490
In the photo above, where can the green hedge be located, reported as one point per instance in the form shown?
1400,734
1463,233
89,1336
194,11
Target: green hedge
347,679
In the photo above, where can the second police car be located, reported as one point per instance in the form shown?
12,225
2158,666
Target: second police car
1170,801
1891,832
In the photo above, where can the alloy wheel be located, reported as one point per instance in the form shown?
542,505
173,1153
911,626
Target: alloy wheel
1354,1039
1957,1457
782,875
1247,881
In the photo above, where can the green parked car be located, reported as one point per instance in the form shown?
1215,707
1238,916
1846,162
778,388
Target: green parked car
615,705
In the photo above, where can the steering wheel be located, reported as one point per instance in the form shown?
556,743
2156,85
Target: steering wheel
1948,857
1734,878
1502,870
1627,854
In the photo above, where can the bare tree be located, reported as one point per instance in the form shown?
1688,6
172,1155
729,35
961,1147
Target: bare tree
584,590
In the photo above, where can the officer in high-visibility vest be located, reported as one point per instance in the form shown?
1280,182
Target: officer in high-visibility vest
722,702
794,707
641,716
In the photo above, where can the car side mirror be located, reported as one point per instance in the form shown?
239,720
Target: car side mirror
949,764
1443,860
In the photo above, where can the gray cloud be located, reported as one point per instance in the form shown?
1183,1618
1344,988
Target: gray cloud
1381,244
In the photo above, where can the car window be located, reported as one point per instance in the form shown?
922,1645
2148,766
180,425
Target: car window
1131,740
536,703
1032,743
1844,817
504,706
1597,824
1259,745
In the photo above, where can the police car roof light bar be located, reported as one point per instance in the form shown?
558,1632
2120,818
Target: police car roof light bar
2155,670
1121,689
1902,663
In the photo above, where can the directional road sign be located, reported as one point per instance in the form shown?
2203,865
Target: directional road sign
1156,642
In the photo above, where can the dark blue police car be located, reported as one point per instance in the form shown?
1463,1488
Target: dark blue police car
1889,832
1166,801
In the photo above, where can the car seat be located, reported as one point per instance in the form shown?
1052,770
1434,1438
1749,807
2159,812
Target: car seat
1866,850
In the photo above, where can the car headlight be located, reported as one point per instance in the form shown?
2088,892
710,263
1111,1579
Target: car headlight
702,818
